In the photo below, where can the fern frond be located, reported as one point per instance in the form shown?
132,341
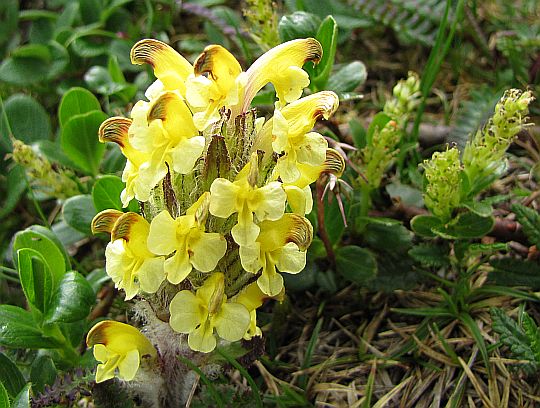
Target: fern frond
415,21
530,221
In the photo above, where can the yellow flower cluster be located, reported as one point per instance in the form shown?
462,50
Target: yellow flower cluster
227,235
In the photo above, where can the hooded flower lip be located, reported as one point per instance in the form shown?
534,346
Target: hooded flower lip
298,192
116,130
186,237
243,197
281,245
218,79
169,66
288,133
118,346
129,263
200,313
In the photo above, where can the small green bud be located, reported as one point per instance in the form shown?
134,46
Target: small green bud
406,98
489,145
442,192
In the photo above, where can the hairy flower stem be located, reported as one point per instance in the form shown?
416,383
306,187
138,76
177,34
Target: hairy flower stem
319,189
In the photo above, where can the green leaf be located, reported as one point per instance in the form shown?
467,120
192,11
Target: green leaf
358,133
348,77
36,278
334,220
430,254
15,186
298,25
9,15
423,225
42,372
465,226
78,213
515,272
4,397
356,264
327,35
28,120
406,194
10,376
80,140
530,221
72,300
106,193
512,335
114,70
90,10
98,277
19,330
43,241
77,101
480,208
386,234
99,80
23,398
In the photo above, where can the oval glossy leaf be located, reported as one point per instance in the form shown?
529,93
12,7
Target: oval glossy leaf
480,208
44,241
327,35
22,400
465,226
78,213
356,264
106,193
19,330
348,77
80,140
77,101
72,300
27,119
298,25
10,376
36,278
423,224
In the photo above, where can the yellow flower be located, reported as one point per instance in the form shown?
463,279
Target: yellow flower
281,245
129,263
218,79
298,192
199,314
288,132
185,235
243,197
252,298
118,346
164,130
116,130
170,68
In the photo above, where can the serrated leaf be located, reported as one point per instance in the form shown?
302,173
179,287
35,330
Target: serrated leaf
72,300
78,213
19,330
512,335
530,221
430,255
10,376
356,264
80,141
77,101
515,272
4,397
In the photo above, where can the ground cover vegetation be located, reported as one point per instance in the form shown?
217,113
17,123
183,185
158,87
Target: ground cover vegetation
269,203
